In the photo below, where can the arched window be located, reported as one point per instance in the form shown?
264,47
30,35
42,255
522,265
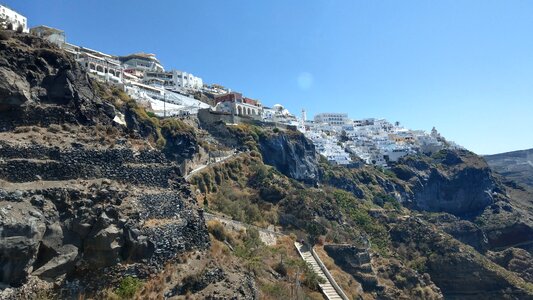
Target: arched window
99,68
239,110
92,66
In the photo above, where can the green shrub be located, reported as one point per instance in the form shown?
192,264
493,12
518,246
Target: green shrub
419,264
441,154
238,204
387,201
251,250
128,287
219,232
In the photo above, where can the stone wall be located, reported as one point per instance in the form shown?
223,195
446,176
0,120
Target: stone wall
23,164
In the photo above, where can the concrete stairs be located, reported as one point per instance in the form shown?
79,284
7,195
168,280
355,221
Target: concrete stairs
328,287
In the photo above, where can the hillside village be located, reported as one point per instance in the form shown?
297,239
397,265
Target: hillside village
175,93
122,179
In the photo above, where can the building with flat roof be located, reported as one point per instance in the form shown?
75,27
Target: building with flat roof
175,80
53,35
14,20
335,119
235,103
104,66
142,61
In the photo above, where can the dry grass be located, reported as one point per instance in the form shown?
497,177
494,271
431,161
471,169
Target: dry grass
219,251
151,223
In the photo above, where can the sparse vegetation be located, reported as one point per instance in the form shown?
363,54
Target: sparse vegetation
128,287
217,230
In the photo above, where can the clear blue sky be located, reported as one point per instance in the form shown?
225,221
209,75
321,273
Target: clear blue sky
465,67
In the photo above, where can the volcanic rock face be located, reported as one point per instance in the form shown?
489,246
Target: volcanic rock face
46,232
42,85
293,155
457,182
21,233
491,212
356,262
459,271
78,192
463,230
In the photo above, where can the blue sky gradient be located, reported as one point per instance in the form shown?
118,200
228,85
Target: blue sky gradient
465,67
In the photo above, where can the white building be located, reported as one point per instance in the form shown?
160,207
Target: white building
175,80
14,20
53,35
279,114
335,119
216,89
163,102
328,146
145,62
234,103
238,108
104,66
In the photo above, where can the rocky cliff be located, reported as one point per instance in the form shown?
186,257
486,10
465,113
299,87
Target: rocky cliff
461,183
458,270
292,154
289,151
457,182
84,200
42,86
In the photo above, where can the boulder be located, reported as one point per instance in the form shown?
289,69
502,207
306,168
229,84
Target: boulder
348,257
137,246
60,264
104,247
20,237
13,90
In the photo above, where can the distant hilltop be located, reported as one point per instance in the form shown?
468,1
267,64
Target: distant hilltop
516,165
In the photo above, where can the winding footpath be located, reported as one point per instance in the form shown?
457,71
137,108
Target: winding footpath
201,167
329,288
267,236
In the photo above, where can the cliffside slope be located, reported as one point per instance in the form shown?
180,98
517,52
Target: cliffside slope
515,165
88,204
362,207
